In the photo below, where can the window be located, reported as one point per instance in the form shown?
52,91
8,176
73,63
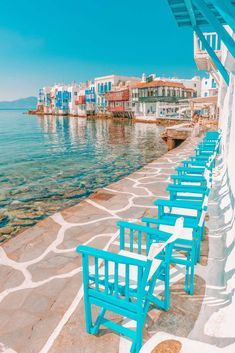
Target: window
213,83
109,86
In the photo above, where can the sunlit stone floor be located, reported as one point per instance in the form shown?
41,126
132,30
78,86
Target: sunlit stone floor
41,299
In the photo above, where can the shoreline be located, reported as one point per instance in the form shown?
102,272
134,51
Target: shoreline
159,121
93,195
10,237
18,214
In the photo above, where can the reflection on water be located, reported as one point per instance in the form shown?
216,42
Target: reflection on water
48,163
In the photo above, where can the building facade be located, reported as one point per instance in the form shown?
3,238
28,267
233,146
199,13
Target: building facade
209,87
119,102
90,98
106,84
123,96
73,90
158,98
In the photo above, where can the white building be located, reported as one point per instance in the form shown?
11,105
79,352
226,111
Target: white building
106,84
74,90
209,87
153,99
45,97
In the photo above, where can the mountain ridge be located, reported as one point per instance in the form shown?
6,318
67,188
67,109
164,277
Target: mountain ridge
21,103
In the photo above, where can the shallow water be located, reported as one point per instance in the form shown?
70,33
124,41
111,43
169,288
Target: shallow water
49,163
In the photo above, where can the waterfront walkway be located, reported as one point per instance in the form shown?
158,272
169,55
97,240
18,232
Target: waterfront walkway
41,298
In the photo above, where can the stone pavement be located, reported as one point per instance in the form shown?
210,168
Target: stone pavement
41,306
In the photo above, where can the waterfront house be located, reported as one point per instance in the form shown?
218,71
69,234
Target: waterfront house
40,101
119,102
44,100
106,84
90,98
62,97
73,89
209,87
154,98
80,101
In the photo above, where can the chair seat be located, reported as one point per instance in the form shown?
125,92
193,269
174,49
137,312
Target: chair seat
186,233
177,211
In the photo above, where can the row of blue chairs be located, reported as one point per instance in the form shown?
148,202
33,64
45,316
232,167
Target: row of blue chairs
125,282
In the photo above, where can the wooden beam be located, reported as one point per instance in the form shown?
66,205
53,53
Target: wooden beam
227,11
189,6
218,27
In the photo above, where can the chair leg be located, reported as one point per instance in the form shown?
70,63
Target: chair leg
191,288
198,255
88,315
139,336
96,326
189,276
167,288
186,287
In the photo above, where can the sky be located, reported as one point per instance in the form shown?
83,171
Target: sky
50,41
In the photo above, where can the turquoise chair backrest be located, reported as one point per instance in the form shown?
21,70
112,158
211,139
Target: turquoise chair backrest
102,280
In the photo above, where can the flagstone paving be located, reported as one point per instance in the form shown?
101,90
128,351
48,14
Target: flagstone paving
41,306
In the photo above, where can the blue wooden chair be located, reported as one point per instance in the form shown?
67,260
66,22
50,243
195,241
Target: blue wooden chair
187,192
189,241
213,137
124,283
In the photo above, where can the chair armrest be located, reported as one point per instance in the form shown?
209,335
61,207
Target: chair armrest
189,178
196,205
138,227
188,222
109,256
196,170
197,189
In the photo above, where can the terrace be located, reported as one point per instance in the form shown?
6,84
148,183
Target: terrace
41,281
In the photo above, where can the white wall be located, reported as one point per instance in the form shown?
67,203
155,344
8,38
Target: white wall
227,116
207,86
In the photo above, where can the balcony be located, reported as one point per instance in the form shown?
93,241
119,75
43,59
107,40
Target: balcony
153,99
201,57
118,95
80,100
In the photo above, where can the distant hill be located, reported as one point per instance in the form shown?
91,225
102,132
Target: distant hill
22,103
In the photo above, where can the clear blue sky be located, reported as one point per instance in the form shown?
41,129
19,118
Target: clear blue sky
48,41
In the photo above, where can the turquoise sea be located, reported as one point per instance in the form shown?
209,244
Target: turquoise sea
49,163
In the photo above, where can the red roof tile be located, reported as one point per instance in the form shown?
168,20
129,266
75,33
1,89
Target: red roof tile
161,83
